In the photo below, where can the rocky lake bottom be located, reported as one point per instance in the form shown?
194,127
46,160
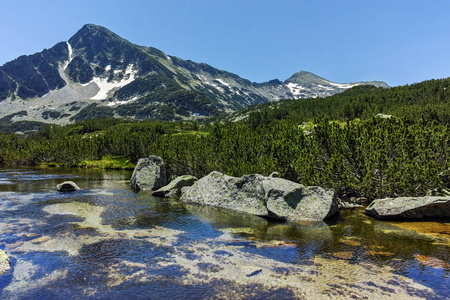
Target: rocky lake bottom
107,242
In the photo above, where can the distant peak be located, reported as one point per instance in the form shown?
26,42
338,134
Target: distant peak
304,77
303,72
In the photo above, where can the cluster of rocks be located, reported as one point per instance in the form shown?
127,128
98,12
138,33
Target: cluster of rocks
150,175
270,197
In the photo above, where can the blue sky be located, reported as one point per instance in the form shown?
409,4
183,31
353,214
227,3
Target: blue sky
397,41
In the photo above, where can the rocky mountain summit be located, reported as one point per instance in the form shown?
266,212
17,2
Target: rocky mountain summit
96,73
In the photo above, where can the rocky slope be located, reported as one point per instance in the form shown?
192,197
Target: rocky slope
96,73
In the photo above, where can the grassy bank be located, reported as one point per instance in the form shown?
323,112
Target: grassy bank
108,162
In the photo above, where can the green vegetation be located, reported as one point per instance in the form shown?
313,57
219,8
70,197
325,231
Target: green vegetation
108,162
356,154
160,98
428,100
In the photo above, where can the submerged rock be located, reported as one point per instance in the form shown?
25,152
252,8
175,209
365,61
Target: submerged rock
173,189
409,208
432,262
149,174
255,194
5,262
68,186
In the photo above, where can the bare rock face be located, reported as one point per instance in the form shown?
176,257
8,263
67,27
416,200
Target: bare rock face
409,208
67,186
149,174
219,190
270,197
5,262
173,189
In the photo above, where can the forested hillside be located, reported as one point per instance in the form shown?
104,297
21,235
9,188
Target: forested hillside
428,99
342,145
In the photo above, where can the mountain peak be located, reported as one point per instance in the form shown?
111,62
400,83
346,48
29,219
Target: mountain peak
93,40
91,29
90,26
303,73
91,34
304,77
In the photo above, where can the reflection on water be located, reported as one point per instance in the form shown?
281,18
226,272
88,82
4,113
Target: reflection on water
107,241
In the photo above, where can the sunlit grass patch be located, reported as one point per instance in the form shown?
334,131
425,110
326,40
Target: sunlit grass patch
108,162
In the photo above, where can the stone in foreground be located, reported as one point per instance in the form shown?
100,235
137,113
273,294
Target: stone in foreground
149,174
67,186
409,208
173,189
255,194
5,262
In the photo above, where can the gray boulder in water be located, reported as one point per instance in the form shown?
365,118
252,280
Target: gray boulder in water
409,208
67,186
173,189
270,197
149,174
5,262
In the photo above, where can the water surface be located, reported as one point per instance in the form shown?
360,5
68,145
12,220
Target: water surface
109,242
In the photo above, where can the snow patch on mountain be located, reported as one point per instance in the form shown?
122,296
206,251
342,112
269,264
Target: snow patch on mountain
106,86
115,103
70,52
69,59
295,89
223,82
220,89
328,88
341,85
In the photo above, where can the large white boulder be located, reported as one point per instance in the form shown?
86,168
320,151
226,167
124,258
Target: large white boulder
270,197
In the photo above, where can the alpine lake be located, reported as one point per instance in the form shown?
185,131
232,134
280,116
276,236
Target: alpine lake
110,242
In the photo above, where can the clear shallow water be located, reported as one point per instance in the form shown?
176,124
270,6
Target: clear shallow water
108,242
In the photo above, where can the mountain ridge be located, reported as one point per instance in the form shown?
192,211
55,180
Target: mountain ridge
97,73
